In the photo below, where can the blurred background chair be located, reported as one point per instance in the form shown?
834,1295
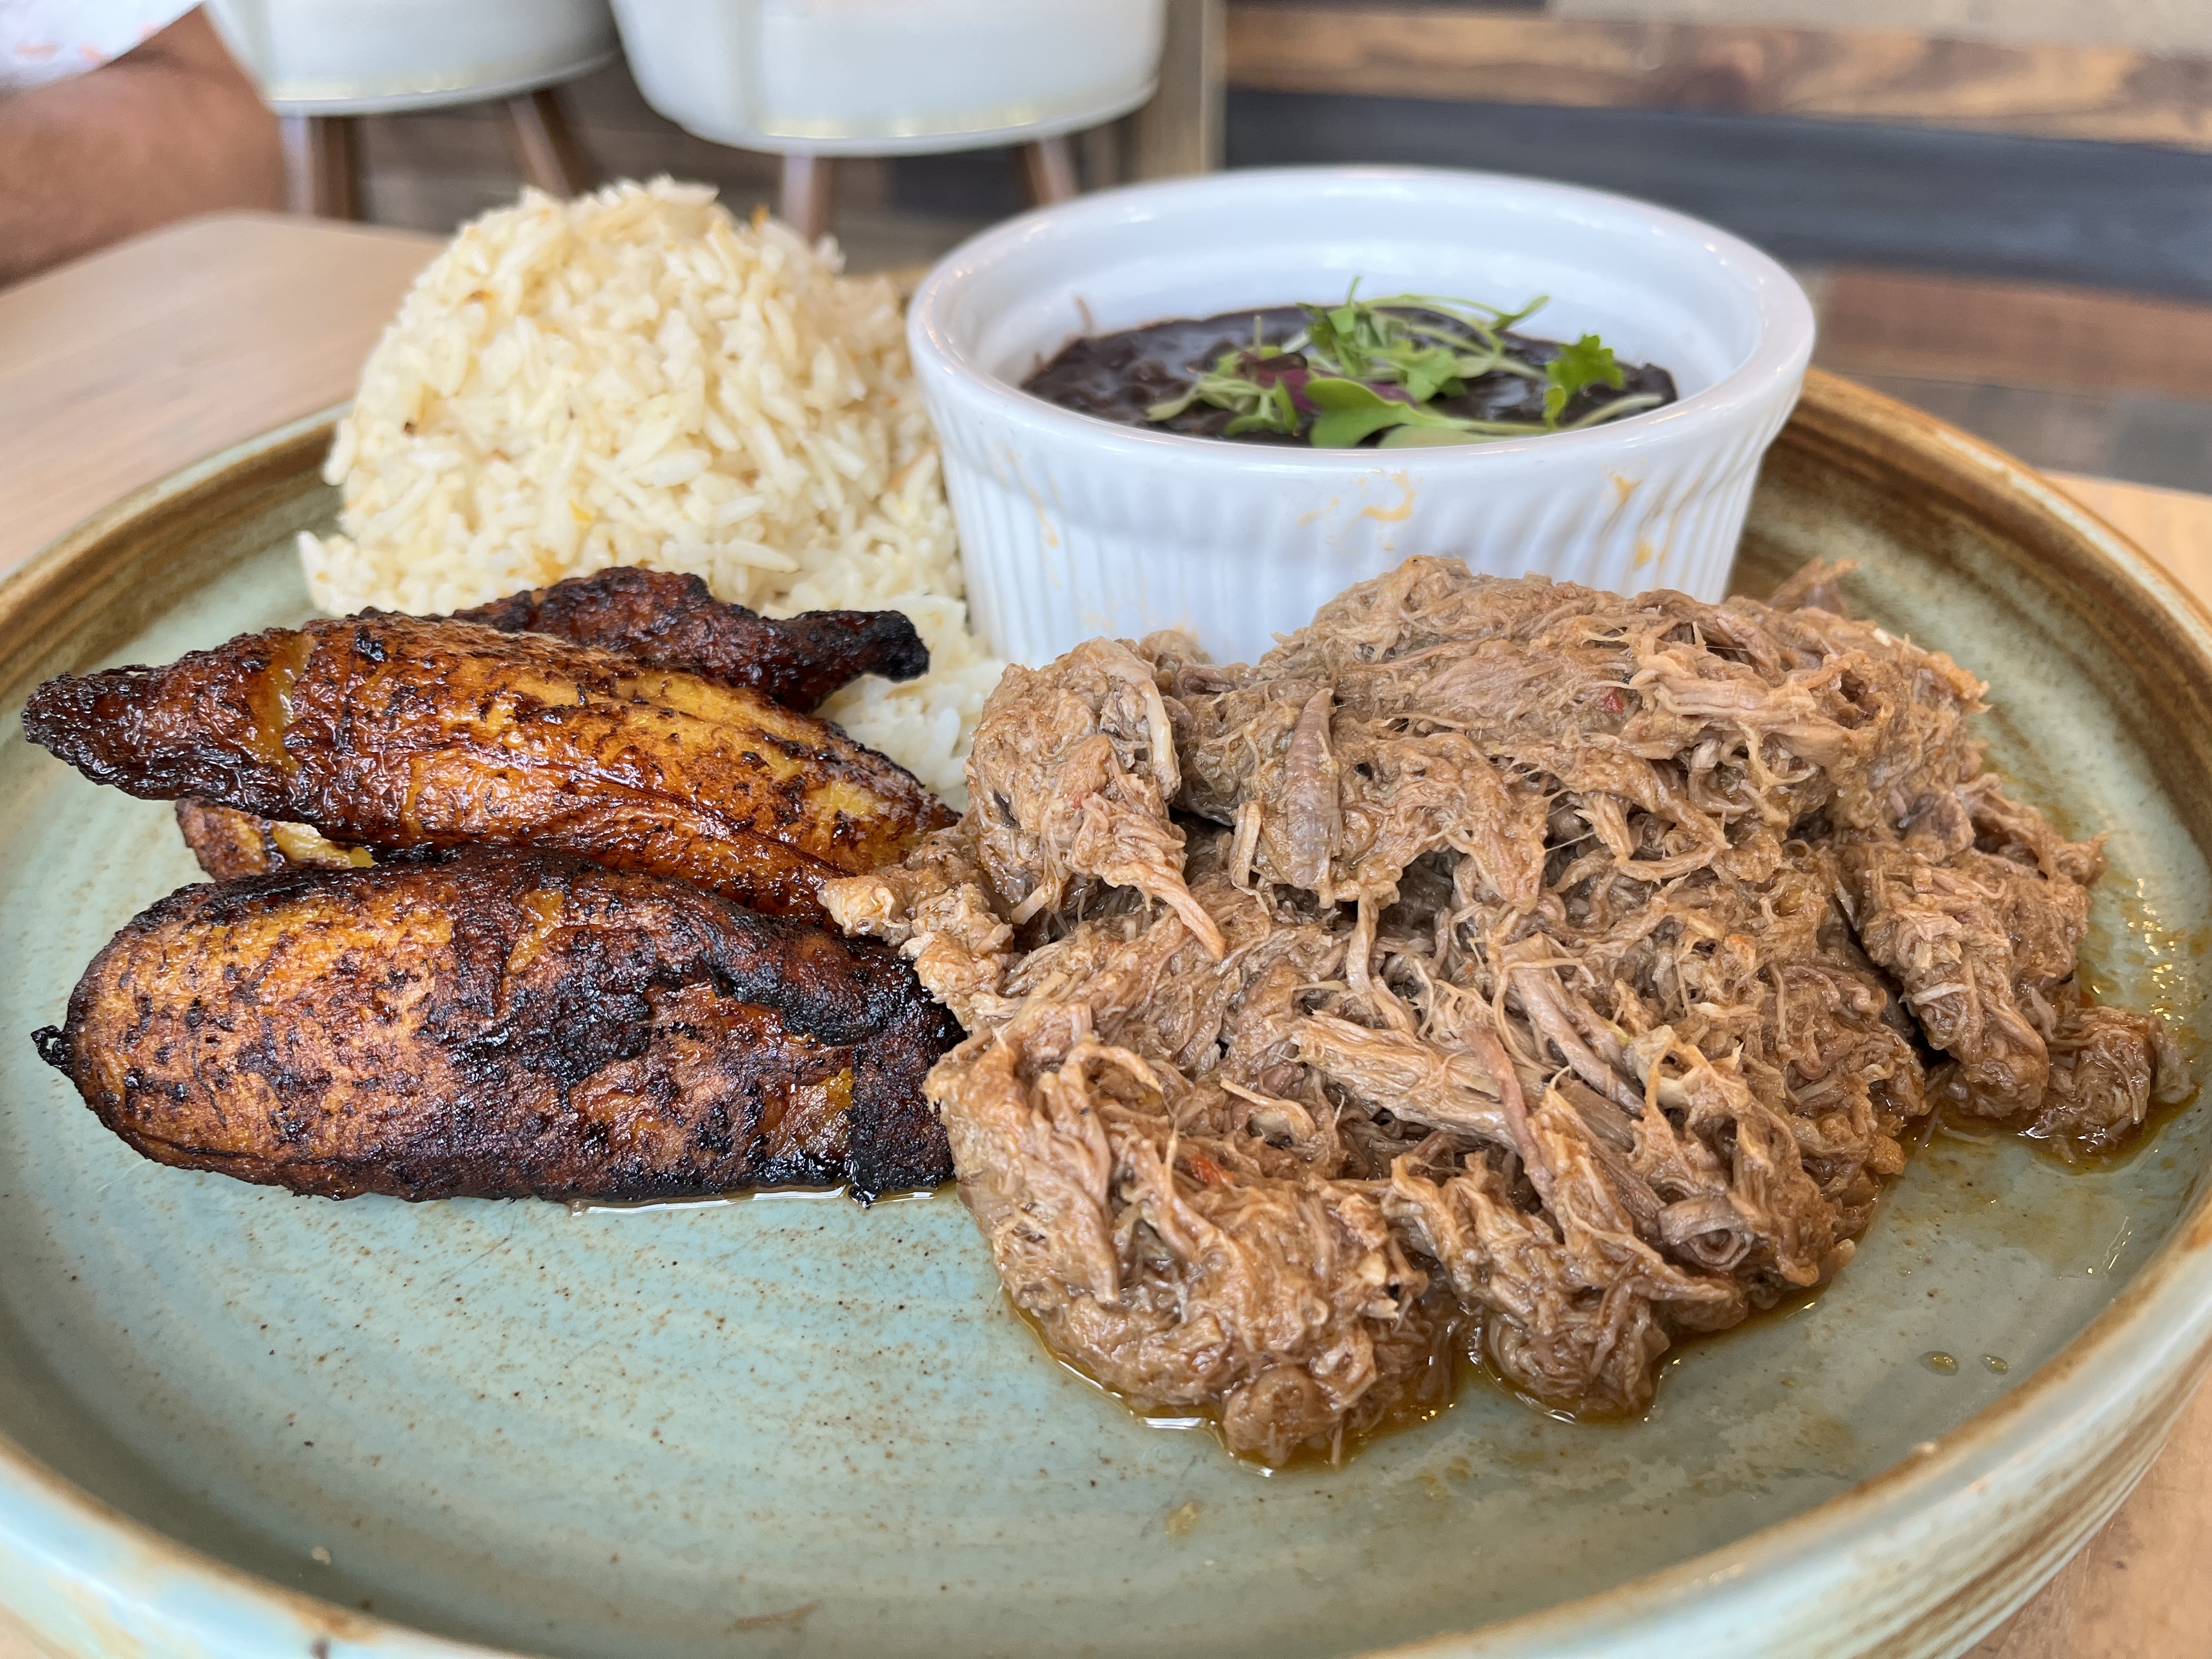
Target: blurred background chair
817,81
2003,213
323,63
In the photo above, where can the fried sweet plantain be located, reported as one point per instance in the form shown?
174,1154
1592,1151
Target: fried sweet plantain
672,622
656,617
503,1023
397,733
229,844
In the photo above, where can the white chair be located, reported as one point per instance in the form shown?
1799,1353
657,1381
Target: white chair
320,64
815,79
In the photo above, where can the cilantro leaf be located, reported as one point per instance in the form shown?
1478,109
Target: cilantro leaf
1588,361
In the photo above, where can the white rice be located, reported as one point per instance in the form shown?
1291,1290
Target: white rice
634,378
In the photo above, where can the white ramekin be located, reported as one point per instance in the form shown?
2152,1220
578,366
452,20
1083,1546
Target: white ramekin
1072,526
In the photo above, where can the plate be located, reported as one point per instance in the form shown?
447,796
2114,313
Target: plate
244,1424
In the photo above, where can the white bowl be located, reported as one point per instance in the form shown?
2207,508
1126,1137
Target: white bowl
1072,526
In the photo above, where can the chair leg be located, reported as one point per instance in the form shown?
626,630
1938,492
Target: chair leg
545,147
1180,131
1103,151
1048,171
322,166
807,200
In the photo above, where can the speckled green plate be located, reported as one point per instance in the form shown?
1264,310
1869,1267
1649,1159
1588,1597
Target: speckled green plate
241,1424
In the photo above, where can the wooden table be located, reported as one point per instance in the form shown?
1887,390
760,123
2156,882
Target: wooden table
115,371
119,369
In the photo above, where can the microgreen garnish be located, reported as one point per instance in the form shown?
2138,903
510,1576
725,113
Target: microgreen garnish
1588,361
1370,365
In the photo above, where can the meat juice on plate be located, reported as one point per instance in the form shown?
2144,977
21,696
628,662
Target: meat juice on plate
1495,957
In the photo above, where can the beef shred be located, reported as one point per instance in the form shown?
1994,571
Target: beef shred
1497,963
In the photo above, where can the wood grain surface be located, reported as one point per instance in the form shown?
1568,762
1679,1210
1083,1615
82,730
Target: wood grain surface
117,370
2168,26
2110,93
1935,326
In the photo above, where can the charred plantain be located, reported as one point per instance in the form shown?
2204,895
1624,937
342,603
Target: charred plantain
671,621
229,844
397,732
655,617
504,1023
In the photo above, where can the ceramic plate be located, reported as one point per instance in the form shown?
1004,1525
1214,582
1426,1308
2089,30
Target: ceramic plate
790,1425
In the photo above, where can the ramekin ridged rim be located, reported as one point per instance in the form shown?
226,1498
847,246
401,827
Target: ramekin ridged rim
1783,312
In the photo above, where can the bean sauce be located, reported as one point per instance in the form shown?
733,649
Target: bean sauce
1117,377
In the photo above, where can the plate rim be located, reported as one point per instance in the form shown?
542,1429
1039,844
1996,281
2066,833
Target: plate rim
2152,1341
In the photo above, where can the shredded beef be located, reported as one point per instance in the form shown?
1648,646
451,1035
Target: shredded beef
1494,963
